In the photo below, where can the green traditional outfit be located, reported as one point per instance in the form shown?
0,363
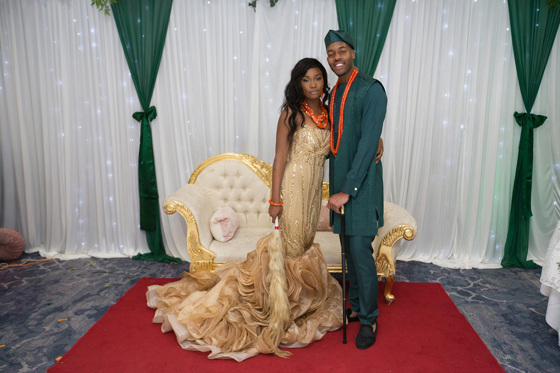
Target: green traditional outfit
354,171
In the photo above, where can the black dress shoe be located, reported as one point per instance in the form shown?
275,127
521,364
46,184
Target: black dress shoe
366,337
351,319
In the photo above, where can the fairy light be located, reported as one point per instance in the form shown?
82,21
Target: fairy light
450,124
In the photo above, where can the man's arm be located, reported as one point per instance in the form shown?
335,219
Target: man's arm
375,107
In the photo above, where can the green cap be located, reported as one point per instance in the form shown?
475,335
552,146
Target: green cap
340,35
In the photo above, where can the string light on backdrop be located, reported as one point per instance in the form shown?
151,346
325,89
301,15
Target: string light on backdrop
479,138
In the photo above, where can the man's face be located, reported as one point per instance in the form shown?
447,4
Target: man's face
340,57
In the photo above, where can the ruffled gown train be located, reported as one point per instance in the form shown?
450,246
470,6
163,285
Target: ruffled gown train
230,312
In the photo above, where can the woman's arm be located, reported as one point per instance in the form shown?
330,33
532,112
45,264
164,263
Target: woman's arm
280,157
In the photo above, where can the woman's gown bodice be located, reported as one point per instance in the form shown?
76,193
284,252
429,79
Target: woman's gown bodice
302,189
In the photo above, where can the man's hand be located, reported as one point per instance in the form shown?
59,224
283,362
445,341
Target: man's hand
337,200
379,150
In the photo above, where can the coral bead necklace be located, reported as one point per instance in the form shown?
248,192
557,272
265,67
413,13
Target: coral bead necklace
320,120
341,115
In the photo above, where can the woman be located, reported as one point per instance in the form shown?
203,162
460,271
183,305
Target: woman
302,144
282,294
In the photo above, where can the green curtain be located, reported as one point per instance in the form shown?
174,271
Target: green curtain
142,27
368,22
533,29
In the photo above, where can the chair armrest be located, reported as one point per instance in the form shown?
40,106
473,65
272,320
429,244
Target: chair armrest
195,207
398,223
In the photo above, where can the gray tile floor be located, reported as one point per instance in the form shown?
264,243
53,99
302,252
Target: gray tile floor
504,306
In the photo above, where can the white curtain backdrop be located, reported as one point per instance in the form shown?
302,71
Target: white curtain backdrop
69,145
450,135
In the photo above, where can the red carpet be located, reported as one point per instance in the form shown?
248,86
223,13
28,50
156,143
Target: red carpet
422,331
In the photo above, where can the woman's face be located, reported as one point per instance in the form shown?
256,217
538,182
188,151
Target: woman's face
312,84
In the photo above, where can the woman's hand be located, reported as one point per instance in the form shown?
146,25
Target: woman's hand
279,165
275,211
379,150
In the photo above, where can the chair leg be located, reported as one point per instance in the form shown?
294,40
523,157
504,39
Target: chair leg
389,298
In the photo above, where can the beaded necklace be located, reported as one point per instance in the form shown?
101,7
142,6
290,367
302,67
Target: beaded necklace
320,120
341,115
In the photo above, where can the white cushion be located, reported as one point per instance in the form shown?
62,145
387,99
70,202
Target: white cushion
238,248
246,238
324,218
246,241
330,246
224,224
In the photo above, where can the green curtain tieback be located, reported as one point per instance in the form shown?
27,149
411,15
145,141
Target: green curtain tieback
147,183
150,115
528,122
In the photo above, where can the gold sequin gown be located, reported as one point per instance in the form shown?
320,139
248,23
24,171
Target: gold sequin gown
227,312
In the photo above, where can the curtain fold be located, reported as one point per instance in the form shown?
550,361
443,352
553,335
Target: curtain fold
534,26
69,146
142,27
283,36
450,150
368,22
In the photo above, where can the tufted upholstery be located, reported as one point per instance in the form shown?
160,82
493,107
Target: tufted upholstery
242,182
232,183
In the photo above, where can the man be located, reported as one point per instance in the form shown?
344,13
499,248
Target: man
357,111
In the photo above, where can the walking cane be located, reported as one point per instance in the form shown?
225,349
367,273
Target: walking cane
343,250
